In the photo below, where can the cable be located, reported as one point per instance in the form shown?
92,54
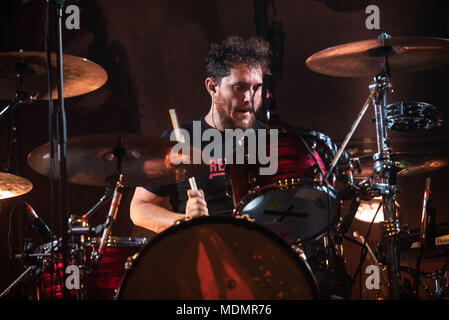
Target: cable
257,86
364,252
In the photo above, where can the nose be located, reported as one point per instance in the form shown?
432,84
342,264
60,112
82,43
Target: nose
249,94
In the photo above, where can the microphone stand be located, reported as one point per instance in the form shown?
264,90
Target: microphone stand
33,270
30,271
61,128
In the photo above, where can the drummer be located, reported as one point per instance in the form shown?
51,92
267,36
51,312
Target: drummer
235,71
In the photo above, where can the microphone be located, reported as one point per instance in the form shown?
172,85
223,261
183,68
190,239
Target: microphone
425,215
43,229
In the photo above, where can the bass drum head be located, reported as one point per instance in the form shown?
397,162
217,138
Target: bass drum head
218,258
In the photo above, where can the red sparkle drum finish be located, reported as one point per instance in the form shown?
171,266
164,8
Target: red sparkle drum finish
99,281
295,202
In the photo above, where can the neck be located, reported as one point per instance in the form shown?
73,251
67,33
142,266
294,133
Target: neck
212,118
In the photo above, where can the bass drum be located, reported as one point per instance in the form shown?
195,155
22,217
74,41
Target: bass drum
218,258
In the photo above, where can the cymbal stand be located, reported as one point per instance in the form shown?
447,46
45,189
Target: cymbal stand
14,162
387,188
20,97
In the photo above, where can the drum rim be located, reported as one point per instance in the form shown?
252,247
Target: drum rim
302,264
251,196
325,139
117,241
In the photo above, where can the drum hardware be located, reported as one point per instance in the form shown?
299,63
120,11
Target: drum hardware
298,251
15,72
245,217
11,185
383,56
326,258
405,163
411,116
33,271
441,283
440,278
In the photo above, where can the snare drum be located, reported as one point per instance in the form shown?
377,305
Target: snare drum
103,278
295,202
100,280
218,258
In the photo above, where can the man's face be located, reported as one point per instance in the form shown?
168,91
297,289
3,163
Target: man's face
234,96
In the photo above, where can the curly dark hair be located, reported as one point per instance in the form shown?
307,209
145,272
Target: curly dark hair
234,50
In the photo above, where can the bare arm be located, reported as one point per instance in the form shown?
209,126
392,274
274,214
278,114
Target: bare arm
147,210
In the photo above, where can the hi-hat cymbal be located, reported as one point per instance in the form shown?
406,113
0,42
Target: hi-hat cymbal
146,160
407,164
367,58
13,186
80,75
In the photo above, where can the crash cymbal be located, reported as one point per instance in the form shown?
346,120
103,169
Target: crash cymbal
146,160
367,58
80,75
407,164
13,186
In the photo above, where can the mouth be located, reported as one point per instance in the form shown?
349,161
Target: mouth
243,110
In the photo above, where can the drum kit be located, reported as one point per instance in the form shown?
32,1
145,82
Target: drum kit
284,238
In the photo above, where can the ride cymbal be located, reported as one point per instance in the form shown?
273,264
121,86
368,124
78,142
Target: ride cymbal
367,58
145,160
27,71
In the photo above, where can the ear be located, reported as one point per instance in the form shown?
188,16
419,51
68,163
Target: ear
211,86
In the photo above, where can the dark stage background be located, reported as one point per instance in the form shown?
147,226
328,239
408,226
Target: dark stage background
154,53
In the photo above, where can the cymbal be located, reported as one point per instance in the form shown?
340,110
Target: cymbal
407,164
367,58
80,75
146,160
13,186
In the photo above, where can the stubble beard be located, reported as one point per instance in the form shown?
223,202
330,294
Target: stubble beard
226,121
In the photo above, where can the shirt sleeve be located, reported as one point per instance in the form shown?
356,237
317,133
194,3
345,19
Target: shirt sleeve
161,191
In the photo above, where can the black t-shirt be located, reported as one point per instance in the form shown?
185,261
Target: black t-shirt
212,180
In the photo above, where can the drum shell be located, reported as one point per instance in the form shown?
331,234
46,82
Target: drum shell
171,267
296,165
101,280
295,202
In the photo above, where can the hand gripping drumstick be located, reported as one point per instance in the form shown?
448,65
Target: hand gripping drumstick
180,138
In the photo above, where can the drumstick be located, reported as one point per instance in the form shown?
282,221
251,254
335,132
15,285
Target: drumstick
180,138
